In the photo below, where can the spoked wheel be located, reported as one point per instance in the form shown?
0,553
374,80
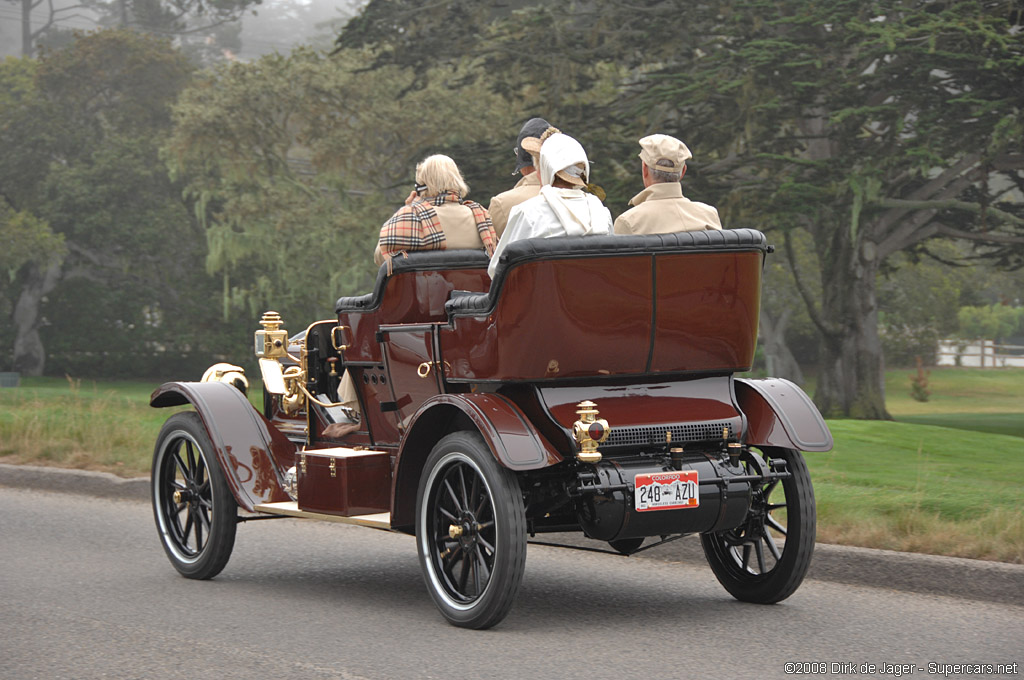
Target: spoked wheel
765,559
196,515
470,532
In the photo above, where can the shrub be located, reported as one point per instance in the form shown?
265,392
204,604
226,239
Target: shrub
919,383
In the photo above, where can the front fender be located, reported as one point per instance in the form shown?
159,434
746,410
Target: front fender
781,414
245,443
508,433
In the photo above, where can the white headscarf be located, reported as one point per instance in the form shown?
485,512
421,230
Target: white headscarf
577,214
561,152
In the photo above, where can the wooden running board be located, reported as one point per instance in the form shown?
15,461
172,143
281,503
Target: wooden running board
381,520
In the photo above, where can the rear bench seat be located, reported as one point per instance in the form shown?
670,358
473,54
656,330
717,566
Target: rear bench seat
422,261
529,250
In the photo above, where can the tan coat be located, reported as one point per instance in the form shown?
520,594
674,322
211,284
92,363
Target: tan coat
458,226
502,204
661,208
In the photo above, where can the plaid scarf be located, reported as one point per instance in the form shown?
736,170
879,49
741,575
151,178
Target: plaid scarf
417,227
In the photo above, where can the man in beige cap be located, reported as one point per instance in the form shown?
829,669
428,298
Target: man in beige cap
661,207
527,150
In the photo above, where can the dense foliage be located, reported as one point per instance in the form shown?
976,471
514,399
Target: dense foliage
877,141
115,280
292,163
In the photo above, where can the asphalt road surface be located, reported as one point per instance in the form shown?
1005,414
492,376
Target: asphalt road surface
86,592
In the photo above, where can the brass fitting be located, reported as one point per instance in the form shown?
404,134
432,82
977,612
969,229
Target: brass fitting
589,431
272,341
227,373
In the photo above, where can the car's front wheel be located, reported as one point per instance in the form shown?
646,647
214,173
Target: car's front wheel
196,515
470,532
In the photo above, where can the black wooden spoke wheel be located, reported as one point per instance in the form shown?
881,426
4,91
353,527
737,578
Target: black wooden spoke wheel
765,559
470,532
196,515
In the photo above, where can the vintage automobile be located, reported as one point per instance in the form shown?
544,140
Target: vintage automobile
589,388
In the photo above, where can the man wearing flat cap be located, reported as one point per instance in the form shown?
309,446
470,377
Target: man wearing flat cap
527,150
661,207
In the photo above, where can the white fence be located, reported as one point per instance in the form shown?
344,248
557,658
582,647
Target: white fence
980,353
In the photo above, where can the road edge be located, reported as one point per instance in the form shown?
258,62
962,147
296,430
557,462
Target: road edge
911,572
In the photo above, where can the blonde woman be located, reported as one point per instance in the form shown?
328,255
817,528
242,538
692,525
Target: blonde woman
436,215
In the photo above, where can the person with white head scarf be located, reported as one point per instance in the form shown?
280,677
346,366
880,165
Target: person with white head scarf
562,208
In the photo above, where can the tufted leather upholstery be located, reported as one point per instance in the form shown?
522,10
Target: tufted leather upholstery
429,260
588,246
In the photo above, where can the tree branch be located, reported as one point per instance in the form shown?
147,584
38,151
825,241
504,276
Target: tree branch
812,308
950,204
1010,161
989,237
929,189
905,234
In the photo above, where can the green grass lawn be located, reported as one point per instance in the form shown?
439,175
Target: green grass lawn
83,424
982,400
946,478
921,488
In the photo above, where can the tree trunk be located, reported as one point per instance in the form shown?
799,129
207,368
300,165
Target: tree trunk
852,379
26,28
779,359
29,355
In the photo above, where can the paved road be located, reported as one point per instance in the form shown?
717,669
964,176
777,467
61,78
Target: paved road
86,592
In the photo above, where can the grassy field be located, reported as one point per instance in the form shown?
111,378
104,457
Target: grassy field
946,478
83,424
921,488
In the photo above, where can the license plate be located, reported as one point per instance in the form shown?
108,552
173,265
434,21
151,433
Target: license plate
666,491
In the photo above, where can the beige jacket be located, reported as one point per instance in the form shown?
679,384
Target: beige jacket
662,208
458,226
502,204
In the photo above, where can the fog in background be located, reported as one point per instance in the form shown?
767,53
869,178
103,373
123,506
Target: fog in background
275,25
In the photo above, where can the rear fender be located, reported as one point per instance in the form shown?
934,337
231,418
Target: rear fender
781,414
514,441
245,443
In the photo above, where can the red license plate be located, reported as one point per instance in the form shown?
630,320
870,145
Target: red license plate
666,491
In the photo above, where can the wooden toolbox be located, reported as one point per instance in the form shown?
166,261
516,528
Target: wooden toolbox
342,481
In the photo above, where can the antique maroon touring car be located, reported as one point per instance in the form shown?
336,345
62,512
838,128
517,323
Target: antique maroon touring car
589,388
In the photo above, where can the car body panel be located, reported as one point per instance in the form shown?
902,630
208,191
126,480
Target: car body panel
251,451
779,413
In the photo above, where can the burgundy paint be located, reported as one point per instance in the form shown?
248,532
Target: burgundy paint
251,452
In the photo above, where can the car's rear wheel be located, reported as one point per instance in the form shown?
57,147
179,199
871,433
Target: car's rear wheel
765,559
196,515
470,532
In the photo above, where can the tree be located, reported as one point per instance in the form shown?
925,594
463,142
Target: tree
293,163
995,322
919,292
81,156
181,18
784,323
872,126
571,63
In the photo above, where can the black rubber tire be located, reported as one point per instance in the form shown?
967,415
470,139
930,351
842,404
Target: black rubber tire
197,532
473,579
626,546
768,578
